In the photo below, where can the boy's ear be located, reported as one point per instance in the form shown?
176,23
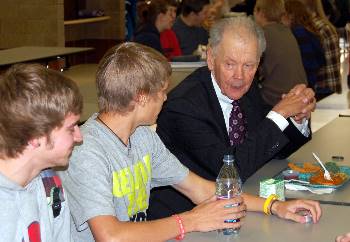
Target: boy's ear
34,143
141,98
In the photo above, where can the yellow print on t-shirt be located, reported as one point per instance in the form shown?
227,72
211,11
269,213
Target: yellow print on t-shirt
131,182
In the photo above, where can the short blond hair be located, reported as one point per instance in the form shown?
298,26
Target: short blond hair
273,9
127,70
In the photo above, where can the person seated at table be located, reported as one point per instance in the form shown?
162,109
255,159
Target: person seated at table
188,25
170,44
111,173
299,20
159,16
39,112
218,110
281,67
216,10
330,73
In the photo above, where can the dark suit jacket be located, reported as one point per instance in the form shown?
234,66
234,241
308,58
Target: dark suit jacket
192,126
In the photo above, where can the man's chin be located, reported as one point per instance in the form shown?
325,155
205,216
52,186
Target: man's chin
236,95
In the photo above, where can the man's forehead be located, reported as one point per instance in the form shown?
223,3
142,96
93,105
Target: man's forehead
233,48
230,40
239,34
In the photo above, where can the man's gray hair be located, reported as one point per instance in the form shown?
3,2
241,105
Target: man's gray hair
235,24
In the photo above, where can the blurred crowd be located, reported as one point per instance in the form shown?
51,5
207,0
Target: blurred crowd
309,28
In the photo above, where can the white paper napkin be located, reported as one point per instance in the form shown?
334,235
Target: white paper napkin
297,187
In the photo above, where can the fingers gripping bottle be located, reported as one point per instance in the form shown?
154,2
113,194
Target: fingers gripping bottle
228,185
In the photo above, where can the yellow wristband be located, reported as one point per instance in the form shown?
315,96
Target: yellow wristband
267,203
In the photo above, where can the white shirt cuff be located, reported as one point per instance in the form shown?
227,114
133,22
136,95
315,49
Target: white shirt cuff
282,123
303,127
278,119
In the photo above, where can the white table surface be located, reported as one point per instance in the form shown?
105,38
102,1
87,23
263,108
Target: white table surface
261,228
332,139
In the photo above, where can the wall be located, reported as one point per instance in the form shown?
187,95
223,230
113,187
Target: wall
31,23
99,35
112,29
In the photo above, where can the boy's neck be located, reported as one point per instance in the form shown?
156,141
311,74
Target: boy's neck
121,125
19,170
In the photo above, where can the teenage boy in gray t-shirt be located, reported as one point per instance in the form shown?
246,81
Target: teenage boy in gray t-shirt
111,173
39,112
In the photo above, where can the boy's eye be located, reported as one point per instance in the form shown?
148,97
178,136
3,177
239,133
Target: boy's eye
71,129
229,65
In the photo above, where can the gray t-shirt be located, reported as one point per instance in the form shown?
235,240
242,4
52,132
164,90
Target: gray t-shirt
105,177
26,212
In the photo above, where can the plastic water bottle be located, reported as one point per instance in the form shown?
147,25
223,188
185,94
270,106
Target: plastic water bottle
228,185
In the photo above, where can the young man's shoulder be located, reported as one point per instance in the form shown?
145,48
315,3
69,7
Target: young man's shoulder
144,135
20,206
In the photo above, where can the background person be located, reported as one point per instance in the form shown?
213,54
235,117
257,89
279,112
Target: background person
188,25
159,15
124,159
39,112
199,123
330,73
281,67
168,39
299,20
170,44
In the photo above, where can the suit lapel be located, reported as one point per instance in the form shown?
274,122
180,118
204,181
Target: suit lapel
214,104
247,109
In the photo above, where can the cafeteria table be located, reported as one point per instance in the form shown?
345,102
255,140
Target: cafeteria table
36,53
262,228
332,139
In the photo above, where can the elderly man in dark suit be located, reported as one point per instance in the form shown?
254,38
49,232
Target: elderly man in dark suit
218,110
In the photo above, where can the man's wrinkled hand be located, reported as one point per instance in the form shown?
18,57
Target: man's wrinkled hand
298,103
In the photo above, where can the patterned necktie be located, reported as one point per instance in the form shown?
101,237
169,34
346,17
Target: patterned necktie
237,129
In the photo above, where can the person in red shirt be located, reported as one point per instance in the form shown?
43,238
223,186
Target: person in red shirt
168,39
170,44
156,17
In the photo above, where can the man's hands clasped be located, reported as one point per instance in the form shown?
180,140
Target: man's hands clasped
297,104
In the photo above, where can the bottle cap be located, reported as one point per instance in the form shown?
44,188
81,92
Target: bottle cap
290,174
229,158
306,214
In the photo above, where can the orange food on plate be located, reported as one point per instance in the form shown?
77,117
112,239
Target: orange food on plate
307,167
319,179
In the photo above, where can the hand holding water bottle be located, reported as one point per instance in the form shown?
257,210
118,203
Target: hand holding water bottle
212,214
